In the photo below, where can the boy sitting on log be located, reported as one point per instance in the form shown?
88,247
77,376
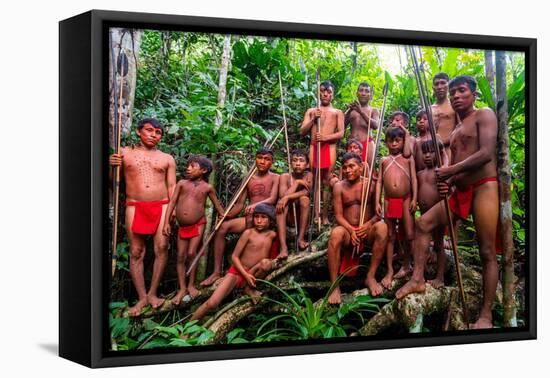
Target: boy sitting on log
189,200
294,191
251,260
398,179
262,188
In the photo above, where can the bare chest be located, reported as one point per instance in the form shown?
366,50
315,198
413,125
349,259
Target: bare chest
195,191
260,187
464,139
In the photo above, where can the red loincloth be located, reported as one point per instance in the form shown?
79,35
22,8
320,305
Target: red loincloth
325,155
365,145
147,216
460,203
274,250
241,281
350,260
189,232
394,207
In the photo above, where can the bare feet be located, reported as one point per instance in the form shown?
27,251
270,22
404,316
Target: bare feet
403,272
432,257
325,221
374,287
387,280
447,245
210,280
136,309
411,287
255,295
155,301
193,292
179,295
436,283
302,244
482,323
334,297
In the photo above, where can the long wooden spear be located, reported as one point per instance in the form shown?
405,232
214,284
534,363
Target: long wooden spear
122,69
439,160
318,157
232,203
288,160
365,193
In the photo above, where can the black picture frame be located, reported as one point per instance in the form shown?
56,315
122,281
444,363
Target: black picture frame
84,267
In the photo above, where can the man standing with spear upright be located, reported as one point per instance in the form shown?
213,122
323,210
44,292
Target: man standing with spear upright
328,130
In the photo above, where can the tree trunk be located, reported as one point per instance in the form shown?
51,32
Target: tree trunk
504,179
490,71
353,58
222,84
128,41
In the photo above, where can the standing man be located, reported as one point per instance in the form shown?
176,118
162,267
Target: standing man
472,173
360,116
150,177
330,132
444,116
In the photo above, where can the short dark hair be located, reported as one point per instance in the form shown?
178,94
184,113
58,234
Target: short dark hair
400,113
441,75
394,132
364,84
350,155
464,79
203,162
299,152
328,83
264,151
421,112
356,142
428,146
152,121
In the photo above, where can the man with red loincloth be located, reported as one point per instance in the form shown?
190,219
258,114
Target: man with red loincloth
150,177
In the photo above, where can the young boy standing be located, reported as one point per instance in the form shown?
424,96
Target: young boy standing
189,200
250,260
150,177
422,126
329,133
294,191
398,181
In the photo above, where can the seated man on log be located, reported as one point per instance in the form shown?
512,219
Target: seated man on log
472,172
348,235
262,188
251,259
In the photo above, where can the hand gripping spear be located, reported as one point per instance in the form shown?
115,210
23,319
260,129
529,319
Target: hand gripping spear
232,203
288,160
365,189
122,70
428,109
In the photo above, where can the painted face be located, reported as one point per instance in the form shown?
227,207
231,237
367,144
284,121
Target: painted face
264,162
399,120
395,145
351,169
354,148
422,123
298,163
462,97
326,95
363,95
440,88
194,170
429,158
149,135
261,221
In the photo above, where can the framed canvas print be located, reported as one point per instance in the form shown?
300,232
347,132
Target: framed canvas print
234,188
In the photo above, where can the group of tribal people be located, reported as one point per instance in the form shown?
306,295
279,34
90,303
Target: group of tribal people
407,177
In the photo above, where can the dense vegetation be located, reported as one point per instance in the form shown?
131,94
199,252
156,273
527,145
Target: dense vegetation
177,83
